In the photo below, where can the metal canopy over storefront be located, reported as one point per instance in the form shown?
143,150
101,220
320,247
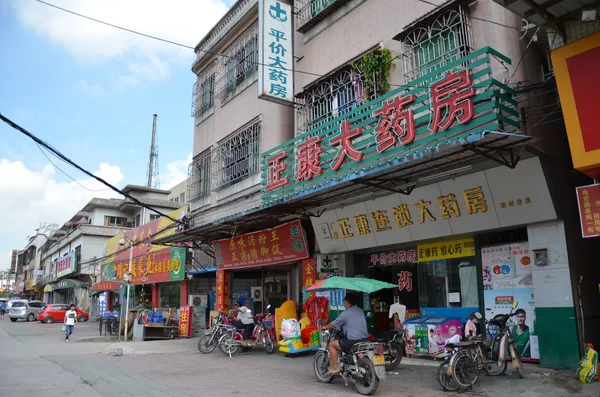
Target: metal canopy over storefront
65,284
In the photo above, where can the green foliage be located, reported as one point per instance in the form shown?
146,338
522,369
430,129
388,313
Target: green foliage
375,66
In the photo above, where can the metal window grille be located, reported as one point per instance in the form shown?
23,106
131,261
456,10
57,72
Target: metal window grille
331,98
311,9
203,96
199,176
239,64
427,49
238,157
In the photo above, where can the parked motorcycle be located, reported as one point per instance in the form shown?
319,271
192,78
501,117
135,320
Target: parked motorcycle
393,347
208,343
263,335
364,363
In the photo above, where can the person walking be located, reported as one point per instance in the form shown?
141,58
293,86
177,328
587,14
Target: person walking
2,310
70,320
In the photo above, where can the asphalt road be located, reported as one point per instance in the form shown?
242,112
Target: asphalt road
35,360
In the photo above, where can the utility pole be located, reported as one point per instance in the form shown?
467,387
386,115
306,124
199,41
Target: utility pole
152,174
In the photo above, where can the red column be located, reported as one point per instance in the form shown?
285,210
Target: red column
155,296
222,303
108,301
184,292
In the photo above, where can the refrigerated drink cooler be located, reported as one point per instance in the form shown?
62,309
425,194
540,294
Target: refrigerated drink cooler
426,336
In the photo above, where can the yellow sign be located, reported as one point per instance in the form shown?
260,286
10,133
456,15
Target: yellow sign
158,228
48,288
446,250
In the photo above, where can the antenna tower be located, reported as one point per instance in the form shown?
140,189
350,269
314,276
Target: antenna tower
152,174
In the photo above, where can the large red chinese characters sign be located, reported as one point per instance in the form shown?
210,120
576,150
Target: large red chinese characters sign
450,104
283,244
588,198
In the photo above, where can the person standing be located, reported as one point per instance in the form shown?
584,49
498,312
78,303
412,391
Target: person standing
70,320
2,310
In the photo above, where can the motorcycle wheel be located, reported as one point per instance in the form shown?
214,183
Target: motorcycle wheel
493,369
446,381
269,345
321,367
396,357
517,358
228,345
369,382
207,344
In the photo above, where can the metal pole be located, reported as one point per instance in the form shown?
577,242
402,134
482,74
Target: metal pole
128,287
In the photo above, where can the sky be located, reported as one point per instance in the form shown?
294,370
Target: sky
90,91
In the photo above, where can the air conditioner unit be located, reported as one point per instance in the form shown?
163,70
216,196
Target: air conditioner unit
257,293
274,288
198,300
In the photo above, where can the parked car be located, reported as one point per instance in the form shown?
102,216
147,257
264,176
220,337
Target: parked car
56,312
24,310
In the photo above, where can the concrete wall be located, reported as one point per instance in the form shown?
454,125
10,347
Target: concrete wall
177,190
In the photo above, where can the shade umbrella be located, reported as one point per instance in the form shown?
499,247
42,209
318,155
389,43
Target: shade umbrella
367,285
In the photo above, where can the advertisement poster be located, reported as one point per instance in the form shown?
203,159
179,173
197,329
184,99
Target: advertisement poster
428,336
507,278
102,304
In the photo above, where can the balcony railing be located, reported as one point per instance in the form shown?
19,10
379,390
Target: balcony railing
311,12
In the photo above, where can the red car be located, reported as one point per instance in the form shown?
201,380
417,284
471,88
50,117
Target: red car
57,311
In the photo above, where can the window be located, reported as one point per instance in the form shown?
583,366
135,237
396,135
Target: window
115,221
332,98
78,255
237,157
429,48
182,197
199,177
138,220
238,65
203,97
154,216
310,12
438,279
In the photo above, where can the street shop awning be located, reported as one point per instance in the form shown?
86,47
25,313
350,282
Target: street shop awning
48,288
103,286
481,136
68,283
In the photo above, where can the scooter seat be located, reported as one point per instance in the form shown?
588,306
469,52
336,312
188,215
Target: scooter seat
385,337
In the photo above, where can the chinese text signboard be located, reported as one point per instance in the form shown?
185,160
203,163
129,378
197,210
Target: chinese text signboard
160,227
275,52
394,257
185,321
369,136
576,70
222,303
484,200
106,286
13,261
588,199
167,264
66,265
446,250
309,276
283,244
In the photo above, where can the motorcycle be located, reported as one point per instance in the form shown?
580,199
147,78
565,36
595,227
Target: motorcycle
393,347
502,337
364,363
263,335
208,343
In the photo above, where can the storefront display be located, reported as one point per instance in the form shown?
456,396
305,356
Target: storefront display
507,277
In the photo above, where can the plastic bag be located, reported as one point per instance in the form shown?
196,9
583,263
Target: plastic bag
290,328
588,366
64,328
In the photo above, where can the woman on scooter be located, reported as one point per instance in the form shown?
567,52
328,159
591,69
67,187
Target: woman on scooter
244,320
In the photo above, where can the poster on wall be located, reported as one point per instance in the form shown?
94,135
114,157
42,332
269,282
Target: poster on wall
507,278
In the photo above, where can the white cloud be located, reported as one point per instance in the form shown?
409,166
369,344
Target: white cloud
177,172
181,21
92,89
28,197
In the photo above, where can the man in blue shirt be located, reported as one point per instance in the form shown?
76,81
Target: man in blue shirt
355,330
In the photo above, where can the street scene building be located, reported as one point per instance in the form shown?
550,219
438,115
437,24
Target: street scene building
435,164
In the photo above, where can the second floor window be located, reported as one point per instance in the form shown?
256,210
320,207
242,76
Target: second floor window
429,48
115,221
199,177
154,216
237,157
204,94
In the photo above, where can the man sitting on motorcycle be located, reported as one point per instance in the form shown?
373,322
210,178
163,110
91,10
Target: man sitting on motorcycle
355,330
244,320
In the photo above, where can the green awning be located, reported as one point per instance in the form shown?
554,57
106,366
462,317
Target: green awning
67,283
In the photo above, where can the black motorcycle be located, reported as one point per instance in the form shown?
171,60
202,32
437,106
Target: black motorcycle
394,347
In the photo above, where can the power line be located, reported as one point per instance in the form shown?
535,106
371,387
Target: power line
221,54
72,163
67,175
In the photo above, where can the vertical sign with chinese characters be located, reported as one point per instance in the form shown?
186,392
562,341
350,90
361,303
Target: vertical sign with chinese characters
275,52
222,301
588,198
185,321
13,261
309,272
